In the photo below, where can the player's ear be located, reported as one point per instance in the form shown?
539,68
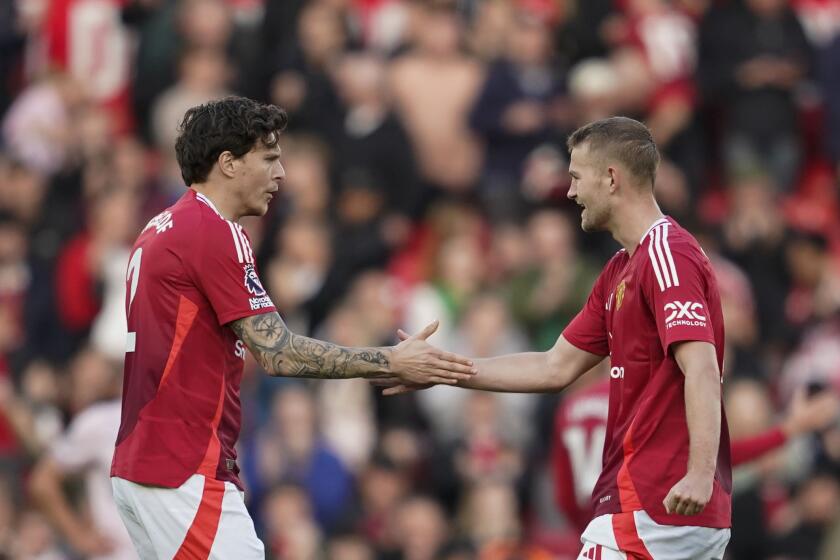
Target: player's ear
612,174
227,164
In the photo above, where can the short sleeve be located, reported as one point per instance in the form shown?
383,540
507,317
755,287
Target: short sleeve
588,330
677,288
226,272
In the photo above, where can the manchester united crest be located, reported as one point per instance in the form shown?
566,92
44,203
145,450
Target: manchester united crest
619,295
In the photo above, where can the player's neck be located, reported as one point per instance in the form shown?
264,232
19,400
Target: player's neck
630,225
221,204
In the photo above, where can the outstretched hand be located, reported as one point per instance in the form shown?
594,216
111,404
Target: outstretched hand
416,364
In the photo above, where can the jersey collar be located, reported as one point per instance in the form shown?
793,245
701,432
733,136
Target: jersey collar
659,222
208,202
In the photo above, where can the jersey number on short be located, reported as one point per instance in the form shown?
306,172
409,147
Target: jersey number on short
132,277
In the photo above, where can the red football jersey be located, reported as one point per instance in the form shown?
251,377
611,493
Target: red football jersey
580,428
640,305
191,272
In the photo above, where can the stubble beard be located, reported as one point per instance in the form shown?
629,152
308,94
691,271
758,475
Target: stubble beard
593,222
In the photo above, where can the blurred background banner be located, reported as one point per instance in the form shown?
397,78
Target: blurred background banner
426,179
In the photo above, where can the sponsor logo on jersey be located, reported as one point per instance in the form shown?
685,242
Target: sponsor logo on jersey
260,302
239,350
252,281
684,314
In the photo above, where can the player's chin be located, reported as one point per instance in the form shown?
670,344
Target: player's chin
590,226
260,208
591,223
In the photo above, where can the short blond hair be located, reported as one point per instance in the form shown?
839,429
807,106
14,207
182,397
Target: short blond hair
624,139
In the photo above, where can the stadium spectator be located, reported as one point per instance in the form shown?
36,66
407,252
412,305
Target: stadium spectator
82,451
420,529
547,294
753,55
435,117
372,139
301,82
517,109
289,449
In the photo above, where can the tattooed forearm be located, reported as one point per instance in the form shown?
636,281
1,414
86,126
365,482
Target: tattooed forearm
281,352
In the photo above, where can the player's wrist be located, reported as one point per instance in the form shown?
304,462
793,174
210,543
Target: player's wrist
701,473
392,361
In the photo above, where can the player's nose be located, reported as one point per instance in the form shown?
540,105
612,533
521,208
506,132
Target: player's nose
279,173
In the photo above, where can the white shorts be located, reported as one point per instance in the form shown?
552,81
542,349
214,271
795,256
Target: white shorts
635,535
202,519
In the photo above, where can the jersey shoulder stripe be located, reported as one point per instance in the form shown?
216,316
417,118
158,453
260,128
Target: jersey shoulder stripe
661,258
244,254
236,241
246,245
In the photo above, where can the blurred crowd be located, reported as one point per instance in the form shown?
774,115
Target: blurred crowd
426,179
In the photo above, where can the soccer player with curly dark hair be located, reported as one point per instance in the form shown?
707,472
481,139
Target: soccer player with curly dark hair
195,303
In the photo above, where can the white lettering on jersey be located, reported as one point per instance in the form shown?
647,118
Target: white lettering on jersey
260,303
659,251
239,350
617,372
254,287
585,458
161,222
687,313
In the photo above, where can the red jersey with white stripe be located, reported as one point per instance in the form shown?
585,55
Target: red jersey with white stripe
580,427
639,307
191,273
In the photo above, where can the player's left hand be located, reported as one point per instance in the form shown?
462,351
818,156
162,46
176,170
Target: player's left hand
416,362
690,495
394,385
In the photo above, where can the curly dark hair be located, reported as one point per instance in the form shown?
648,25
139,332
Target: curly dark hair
233,124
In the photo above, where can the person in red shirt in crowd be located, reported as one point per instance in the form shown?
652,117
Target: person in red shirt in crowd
666,483
194,304
580,427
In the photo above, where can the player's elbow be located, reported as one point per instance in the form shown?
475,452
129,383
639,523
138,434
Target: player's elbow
272,361
704,373
281,364
276,366
560,372
709,374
